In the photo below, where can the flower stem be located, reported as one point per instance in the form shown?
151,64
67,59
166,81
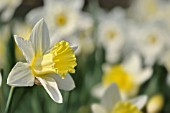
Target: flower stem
9,99
68,102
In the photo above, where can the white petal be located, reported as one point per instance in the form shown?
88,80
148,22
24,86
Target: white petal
96,108
35,15
77,4
98,90
144,75
7,14
21,75
9,10
51,87
112,56
0,79
66,84
133,63
26,47
85,21
111,96
40,37
139,101
74,47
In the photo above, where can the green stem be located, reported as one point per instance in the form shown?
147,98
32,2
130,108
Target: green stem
68,102
9,99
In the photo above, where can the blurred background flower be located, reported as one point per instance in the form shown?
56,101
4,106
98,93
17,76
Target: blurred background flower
111,102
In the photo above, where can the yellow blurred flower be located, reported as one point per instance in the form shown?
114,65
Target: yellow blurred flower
155,103
128,76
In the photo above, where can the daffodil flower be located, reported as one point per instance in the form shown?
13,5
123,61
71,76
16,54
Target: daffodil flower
129,75
62,16
112,34
49,64
111,102
150,40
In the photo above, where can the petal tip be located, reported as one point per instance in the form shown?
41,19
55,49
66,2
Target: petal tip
60,101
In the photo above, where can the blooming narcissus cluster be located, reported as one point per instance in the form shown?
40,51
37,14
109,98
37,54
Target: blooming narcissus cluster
111,102
49,64
62,16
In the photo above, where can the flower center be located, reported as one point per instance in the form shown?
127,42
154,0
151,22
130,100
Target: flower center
61,19
125,107
111,35
119,76
60,60
152,39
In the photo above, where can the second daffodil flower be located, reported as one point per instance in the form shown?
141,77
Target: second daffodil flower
49,64
111,102
129,76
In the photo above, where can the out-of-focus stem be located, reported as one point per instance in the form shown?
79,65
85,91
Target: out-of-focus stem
9,99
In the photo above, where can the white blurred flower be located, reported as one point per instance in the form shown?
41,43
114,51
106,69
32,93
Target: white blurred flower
150,41
112,102
62,16
111,33
4,38
111,36
145,9
84,35
128,76
8,8
46,63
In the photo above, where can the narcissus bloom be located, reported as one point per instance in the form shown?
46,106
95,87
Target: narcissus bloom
151,41
111,102
62,16
128,76
112,34
49,64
